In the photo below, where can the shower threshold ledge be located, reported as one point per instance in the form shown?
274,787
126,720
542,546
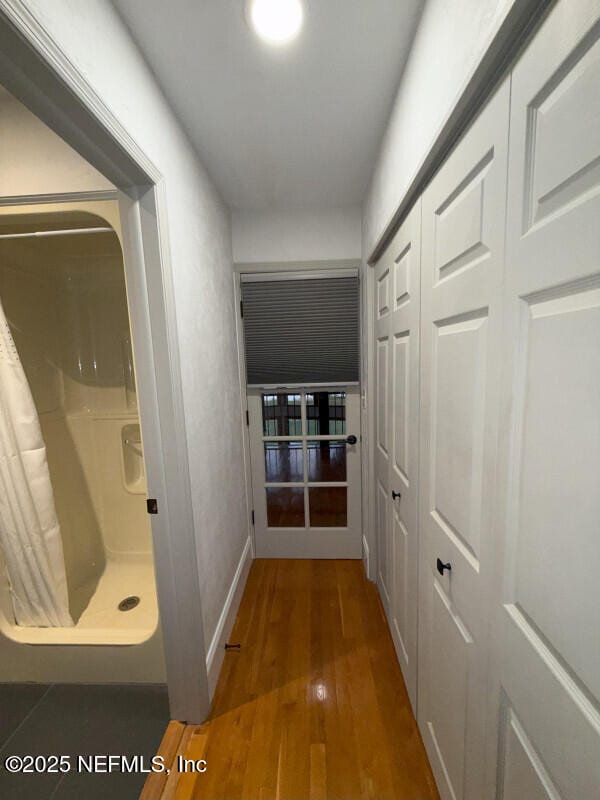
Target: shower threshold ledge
101,623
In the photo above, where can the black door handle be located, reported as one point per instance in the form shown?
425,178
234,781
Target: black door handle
396,495
441,566
351,439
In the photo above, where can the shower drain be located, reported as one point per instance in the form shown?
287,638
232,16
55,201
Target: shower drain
129,602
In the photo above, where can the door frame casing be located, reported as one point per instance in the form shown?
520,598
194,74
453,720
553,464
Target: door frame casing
41,75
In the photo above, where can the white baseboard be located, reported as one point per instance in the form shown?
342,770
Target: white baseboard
216,651
366,556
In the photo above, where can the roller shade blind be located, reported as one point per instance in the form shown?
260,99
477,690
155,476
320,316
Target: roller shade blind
301,330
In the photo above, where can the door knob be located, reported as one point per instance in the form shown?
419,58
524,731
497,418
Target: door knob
396,495
441,566
351,439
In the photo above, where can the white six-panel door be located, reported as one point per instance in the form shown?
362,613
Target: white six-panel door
463,212
397,299
545,721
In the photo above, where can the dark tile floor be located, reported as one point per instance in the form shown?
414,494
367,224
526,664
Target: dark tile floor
79,720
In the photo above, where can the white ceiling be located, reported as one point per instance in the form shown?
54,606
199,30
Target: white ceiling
292,127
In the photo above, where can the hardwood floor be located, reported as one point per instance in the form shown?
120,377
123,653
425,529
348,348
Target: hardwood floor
313,706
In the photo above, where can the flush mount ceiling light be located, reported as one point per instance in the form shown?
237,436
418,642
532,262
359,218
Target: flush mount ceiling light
275,21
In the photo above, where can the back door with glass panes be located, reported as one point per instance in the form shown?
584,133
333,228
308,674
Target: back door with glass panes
305,453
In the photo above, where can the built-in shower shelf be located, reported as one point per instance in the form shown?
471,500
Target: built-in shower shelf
134,476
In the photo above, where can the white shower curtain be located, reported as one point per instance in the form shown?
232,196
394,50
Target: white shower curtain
29,531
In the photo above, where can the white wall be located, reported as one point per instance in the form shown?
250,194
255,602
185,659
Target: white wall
320,235
50,165
98,44
451,38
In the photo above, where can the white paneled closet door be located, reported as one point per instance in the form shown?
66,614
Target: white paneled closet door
546,726
463,219
397,298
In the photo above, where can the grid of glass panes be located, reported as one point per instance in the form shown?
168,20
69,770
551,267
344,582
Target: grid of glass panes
326,413
282,415
305,459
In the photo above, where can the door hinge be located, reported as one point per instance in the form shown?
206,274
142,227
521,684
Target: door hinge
242,309
253,516
247,418
152,505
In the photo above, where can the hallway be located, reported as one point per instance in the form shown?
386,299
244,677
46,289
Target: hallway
313,705
299,394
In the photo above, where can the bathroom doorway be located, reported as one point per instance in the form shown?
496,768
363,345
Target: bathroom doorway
36,72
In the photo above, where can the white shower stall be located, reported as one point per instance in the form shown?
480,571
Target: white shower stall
64,295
